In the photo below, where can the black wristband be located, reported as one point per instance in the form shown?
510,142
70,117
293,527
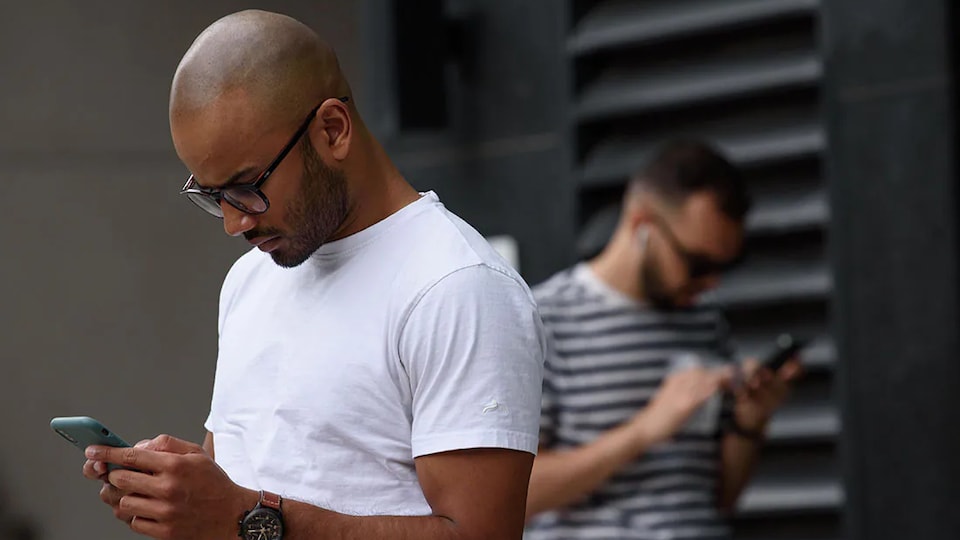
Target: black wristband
757,435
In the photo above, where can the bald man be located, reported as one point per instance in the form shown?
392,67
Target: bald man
379,368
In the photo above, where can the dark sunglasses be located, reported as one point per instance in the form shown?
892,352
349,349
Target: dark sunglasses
698,264
247,198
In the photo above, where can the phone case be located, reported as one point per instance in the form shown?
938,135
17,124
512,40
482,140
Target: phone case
786,347
83,431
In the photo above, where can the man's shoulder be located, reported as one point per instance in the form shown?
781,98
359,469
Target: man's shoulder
560,288
441,243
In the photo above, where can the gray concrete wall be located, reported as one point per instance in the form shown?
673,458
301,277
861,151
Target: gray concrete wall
109,280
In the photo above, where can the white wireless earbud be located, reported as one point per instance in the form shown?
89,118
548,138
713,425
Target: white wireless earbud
643,237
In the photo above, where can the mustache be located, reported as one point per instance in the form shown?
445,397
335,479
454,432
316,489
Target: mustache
260,233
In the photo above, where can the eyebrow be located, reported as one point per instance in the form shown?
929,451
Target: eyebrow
236,177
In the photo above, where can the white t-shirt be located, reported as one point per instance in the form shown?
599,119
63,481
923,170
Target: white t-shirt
408,338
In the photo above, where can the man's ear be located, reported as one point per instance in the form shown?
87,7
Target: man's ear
336,128
643,236
637,214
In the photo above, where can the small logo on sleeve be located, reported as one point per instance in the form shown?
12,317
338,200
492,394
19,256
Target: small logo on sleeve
491,407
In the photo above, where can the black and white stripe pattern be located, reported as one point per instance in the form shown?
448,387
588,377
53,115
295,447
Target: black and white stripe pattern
609,356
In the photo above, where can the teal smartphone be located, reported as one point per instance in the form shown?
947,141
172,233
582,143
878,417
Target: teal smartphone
83,431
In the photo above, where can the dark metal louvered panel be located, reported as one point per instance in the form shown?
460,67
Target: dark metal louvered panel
762,138
778,214
794,282
628,92
745,75
625,23
792,497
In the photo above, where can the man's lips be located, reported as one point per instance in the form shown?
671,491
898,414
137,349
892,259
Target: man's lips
263,242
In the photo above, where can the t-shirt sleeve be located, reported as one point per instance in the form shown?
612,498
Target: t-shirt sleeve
548,402
473,347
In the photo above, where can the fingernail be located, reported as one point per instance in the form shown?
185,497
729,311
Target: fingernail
92,453
100,467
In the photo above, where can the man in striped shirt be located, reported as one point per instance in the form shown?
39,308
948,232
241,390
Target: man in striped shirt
636,440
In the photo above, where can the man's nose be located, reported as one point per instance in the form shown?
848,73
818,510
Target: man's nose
236,222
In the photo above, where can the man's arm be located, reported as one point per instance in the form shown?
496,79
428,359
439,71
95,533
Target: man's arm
562,477
754,403
208,445
475,494
739,455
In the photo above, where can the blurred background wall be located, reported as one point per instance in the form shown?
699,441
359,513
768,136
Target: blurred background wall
109,279
525,116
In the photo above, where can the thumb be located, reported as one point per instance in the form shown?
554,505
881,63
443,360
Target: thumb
168,443
725,376
749,367
790,371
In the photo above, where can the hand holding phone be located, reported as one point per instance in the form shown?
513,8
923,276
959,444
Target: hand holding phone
83,431
785,348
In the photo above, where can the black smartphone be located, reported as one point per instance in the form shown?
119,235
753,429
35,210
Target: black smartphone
785,347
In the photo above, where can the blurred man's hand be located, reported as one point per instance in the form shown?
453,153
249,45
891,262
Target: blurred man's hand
762,393
680,395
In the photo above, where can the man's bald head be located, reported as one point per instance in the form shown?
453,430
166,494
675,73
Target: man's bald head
276,65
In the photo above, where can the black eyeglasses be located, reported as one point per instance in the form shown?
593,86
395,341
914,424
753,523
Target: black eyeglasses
698,264
247,198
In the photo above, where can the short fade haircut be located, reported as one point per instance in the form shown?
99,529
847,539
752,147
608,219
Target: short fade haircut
683,167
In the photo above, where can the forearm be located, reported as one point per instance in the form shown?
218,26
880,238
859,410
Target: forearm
739,455
303,521
562,477
306,522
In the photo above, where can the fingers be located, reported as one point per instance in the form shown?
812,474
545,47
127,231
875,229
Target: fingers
790,371
140,459
111,496
94,470
749,367
146,508
167,443
761,378
145,443
149,528
138,482
768,390
147,455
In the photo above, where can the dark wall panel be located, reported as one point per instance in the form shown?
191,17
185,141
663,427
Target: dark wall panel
501,160
745,75
892,163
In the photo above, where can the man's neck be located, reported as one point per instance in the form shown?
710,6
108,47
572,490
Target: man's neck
619,269
378,192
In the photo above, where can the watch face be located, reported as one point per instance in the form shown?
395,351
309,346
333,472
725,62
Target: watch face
262,524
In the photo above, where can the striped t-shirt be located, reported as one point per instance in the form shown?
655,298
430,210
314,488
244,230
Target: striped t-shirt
609,355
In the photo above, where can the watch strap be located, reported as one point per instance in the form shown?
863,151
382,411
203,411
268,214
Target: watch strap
270,500
756,436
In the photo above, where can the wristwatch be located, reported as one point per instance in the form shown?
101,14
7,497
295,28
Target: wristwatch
265,520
